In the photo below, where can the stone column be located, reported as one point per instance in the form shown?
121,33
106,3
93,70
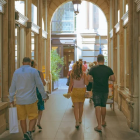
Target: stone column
91,24
5,87
133,54
48,54
22,44
139,74
11,39
40,36
114,22
28,30
121,47
86,18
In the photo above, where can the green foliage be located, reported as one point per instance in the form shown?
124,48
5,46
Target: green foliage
56,65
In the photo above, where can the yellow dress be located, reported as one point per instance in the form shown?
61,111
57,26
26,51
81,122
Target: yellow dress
78,95
78,91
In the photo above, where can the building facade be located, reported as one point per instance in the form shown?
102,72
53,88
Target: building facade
87,38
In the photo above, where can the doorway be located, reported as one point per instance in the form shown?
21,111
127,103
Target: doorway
68,57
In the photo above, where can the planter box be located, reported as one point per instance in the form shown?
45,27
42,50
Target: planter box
54,85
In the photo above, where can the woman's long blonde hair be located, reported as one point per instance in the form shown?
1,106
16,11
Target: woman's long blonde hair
77,71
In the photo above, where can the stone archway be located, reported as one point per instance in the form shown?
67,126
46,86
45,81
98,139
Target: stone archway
52,6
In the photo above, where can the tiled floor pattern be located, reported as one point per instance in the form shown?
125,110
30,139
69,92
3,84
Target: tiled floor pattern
58,123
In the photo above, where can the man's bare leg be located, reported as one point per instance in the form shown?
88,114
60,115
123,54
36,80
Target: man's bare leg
103,112
39,117
32,124
98,116
80,111
23,126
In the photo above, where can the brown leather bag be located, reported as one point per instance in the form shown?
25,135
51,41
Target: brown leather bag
88,94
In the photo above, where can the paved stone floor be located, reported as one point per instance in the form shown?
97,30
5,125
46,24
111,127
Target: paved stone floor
58,123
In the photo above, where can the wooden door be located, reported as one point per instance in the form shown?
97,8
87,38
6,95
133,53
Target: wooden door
68,57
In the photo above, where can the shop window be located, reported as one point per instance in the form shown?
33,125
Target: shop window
20,6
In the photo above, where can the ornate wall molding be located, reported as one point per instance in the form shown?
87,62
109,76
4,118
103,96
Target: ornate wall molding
21,18
111,33
117,27
44,34
125,18
2,3
138,5
35,28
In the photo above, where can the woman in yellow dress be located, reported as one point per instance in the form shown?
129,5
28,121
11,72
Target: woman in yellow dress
78,81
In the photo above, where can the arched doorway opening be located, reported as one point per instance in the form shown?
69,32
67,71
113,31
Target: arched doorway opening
85,44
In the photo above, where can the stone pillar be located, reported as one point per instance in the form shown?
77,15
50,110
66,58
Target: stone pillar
5,74
48,54
114,22
121,47
40,36
22,44
133,54
28,30
11,39
139,74
91,24
86,18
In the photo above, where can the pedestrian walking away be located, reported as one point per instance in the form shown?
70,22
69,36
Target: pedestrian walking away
24,83
101,74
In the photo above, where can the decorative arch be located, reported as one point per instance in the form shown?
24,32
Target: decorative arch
102,4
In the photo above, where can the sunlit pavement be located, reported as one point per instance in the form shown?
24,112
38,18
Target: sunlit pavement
59,124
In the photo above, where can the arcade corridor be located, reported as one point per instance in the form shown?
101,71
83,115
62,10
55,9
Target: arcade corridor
59,124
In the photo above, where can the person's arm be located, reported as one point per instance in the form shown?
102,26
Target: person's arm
111,75
39,85
42,78
112,78
12,89
86,79
70,85
90,78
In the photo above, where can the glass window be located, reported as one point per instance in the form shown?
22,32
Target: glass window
20,6
16,48
64,19
118,15
126,7
34,14
33,43
34,11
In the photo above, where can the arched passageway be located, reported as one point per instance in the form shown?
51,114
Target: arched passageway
54,4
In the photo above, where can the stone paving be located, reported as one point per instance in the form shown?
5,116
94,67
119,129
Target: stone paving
59,124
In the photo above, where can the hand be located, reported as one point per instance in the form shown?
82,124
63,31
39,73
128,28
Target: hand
12,103
45,100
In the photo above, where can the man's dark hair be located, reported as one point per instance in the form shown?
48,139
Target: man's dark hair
100,58
26,59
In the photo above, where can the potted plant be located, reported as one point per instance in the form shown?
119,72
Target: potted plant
56,65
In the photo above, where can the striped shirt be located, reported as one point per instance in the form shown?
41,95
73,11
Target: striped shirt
24,83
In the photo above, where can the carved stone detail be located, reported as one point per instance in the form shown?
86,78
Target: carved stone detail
138,5
125,19
2,3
